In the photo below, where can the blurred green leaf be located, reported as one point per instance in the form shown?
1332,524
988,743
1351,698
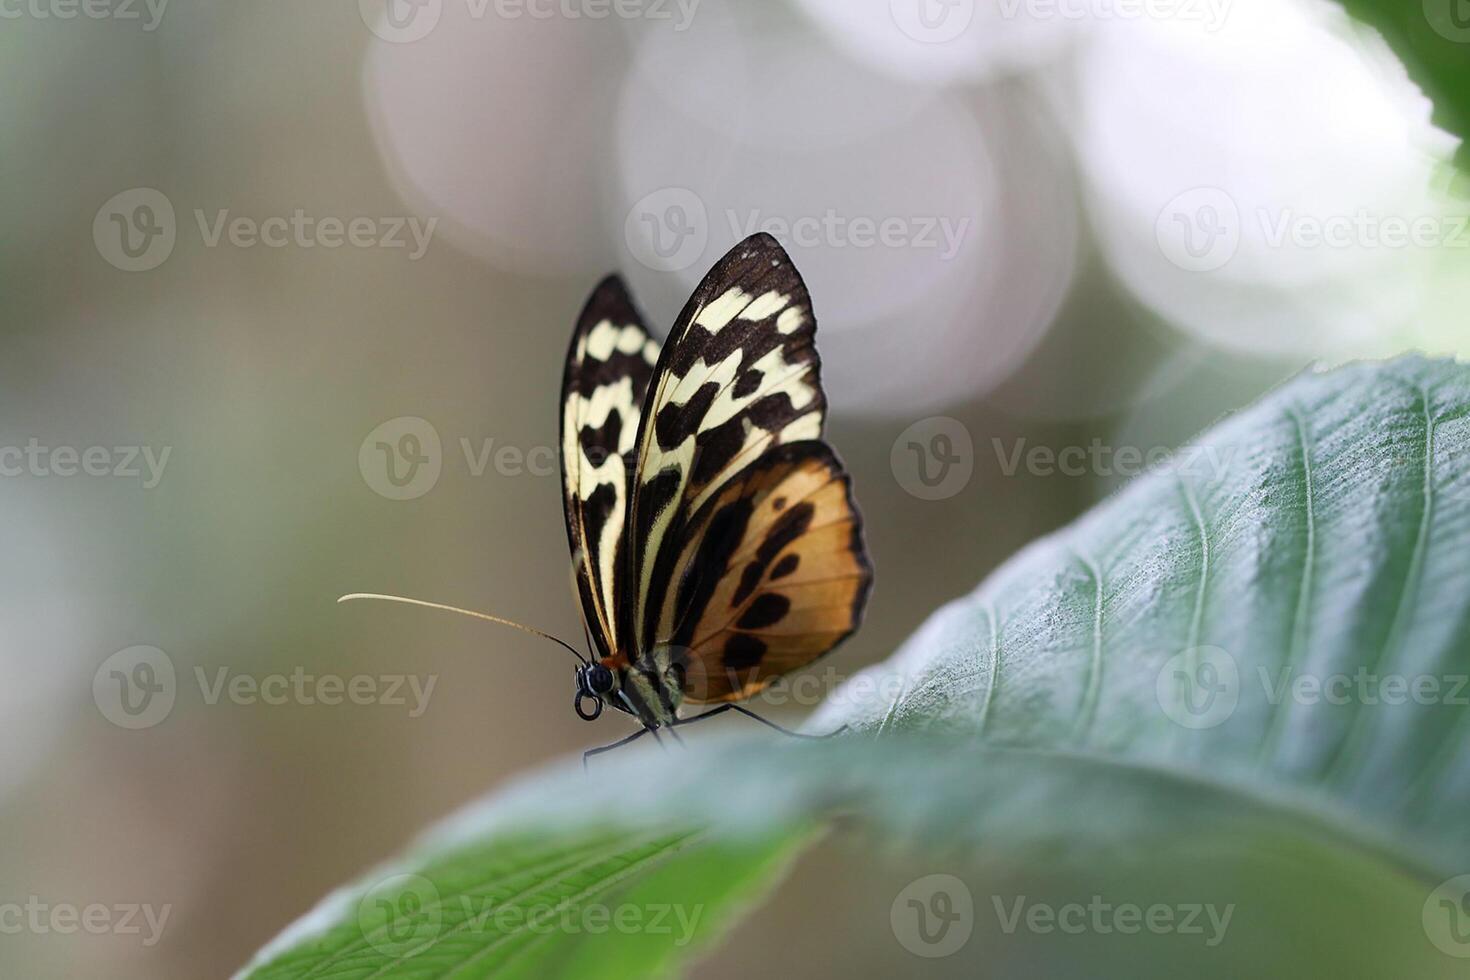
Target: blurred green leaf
1118,694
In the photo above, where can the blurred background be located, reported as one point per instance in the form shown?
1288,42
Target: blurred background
287,289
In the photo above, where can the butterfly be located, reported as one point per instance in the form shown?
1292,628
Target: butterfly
715,542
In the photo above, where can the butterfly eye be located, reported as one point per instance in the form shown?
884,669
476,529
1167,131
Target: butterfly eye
599,680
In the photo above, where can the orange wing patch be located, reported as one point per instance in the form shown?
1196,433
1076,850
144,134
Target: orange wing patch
775,574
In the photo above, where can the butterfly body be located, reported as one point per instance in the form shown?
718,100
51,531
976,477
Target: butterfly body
650,690
715,541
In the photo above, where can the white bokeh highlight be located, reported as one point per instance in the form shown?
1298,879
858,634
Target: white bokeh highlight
937,231
1247,182
500,127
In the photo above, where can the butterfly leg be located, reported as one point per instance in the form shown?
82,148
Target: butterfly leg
752,715
613,745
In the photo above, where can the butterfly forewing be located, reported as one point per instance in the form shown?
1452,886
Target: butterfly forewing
738,377
773,574
609,366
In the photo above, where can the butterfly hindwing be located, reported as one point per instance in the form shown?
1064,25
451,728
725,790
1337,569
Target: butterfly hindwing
738,377
609,366
773,574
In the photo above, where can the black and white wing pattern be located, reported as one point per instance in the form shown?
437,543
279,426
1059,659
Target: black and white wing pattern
609,365
738,377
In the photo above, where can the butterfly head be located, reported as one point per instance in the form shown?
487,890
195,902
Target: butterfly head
594,683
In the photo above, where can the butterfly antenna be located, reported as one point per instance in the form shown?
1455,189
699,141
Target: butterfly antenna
465,612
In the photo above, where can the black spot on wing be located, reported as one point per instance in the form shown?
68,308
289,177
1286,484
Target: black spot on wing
601,443
743,651
716,447
749,383
786,529
785,566
768,609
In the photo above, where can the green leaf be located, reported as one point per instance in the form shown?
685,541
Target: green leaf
1125,697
